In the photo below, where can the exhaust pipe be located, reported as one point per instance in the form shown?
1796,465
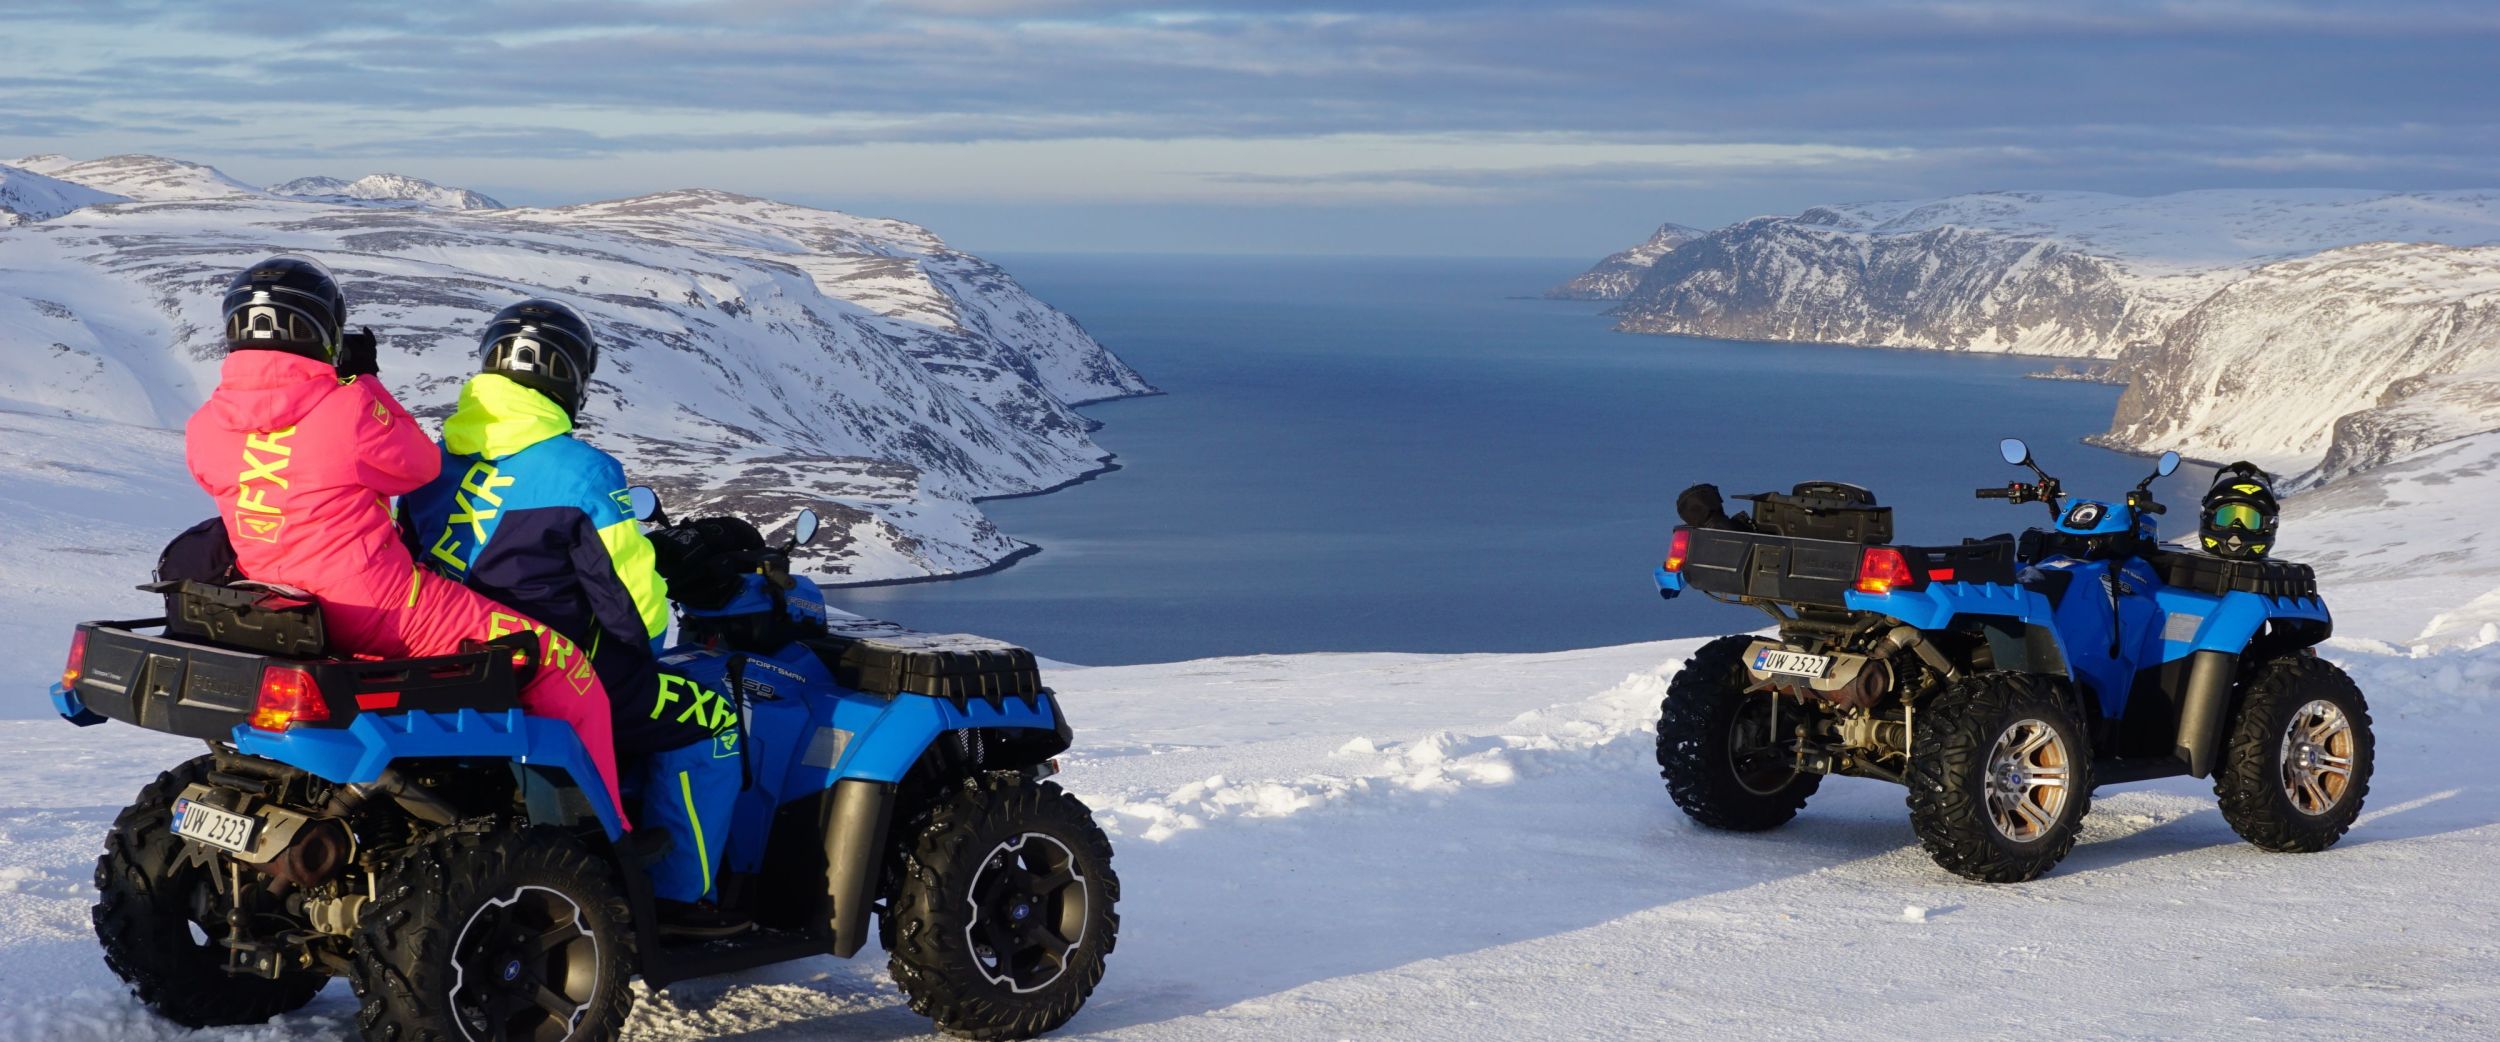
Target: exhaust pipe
1908,638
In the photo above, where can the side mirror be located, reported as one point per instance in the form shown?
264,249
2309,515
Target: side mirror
803,531
2167,465
644,502
2014,451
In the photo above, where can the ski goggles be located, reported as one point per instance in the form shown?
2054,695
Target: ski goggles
2240,516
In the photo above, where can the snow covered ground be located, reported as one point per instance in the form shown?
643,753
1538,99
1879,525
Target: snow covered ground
1412,847
1409,846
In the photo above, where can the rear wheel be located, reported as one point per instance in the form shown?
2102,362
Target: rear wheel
1001,914
495,937
2000,777
1717,747
2300,756
159,913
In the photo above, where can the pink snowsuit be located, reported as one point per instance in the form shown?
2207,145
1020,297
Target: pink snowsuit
303,467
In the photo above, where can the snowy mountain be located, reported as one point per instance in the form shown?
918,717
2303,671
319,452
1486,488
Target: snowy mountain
2057,273
963,317
2404,550
1614,277
858,366
386,190
144,178
2340,360
29,196
2311,330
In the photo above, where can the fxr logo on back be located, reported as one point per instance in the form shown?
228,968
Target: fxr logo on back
254,516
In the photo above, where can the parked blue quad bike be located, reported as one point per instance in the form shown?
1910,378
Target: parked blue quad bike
2003,680
404,824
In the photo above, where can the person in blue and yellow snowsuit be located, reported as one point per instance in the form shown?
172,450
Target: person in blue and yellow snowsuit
530,515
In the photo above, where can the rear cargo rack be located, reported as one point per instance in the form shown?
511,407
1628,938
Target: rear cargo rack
1757,567
200,690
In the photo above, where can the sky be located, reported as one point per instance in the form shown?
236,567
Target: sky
1470,127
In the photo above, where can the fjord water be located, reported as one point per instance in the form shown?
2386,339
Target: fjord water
1406,455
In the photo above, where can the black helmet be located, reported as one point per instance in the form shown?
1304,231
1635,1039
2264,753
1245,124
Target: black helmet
286,304
544,346
2240,513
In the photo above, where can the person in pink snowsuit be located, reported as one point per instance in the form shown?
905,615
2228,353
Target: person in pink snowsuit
303,448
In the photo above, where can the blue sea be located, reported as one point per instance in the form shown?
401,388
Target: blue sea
1415,455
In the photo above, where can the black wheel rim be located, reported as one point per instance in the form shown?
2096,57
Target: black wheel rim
1030,906
525,967
1760,762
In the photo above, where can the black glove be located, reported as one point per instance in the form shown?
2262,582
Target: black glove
357,354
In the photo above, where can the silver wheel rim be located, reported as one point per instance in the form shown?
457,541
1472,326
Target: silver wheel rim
2030,777
2317,757
1030,904
564,944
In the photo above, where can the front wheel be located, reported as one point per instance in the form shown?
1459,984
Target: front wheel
2000,777
511,936
1719,746
1001,912
2300,756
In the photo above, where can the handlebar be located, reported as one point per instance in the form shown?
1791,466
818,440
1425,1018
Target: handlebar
1995,493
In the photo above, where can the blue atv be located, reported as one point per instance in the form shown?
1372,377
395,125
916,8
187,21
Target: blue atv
2004,679
404,824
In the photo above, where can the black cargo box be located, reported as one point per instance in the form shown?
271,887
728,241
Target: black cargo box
1823,510
245,618
884,659
2204,573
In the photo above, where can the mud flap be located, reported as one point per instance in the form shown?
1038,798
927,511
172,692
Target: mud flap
856,821
2211,675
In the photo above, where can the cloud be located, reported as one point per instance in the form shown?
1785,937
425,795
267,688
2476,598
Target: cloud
1344,101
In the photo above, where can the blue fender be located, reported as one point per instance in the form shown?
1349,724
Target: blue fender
2233,621
892,736
1669,583
373,741
1934,606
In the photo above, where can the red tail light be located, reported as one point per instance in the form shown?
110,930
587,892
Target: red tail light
1676,548
77,661
288,697
1882,569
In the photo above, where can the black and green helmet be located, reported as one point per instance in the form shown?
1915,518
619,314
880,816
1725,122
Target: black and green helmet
2240,513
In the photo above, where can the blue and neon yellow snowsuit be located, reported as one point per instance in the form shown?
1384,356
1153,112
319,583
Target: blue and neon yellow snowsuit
537,519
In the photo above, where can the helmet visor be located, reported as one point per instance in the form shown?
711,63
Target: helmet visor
2240,516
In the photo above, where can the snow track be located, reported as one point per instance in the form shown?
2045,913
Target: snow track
1402,846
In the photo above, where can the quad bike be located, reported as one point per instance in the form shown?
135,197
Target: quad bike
2003,680
404,824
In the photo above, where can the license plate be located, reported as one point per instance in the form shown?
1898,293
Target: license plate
1792,663
222,829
